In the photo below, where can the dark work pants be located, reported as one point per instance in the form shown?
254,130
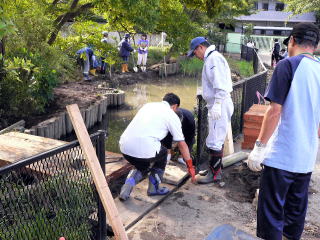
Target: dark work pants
282,204
143,164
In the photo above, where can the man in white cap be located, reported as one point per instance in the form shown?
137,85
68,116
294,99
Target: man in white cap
216,89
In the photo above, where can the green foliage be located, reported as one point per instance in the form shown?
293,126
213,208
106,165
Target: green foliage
244,68
32,67
216,35
248,31
156,54
302,6
191,66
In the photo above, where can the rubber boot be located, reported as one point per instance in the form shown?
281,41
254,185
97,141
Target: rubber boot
155,179
123,68
216,163
143,68
133,178
214,173
93,72
126,67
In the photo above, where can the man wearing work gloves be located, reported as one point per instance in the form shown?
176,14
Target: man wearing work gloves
216,89
140,144
288,141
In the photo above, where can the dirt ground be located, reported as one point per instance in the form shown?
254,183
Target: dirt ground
193,211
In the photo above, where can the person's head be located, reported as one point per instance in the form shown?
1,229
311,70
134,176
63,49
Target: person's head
173,100
198,47
144,36
276,40
303,37
105,34
127,36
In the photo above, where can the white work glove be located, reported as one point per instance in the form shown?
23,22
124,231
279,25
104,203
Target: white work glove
215,111
256,158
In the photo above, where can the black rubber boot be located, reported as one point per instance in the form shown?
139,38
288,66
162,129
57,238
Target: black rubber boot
216,163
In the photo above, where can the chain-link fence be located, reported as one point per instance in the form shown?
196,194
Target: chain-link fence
52,195
244,95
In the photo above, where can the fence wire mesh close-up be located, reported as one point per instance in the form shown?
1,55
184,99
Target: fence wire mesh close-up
52,195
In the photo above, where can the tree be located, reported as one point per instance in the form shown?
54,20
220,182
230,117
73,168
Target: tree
302,6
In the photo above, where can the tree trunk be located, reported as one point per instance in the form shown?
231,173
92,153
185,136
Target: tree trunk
2,52
61,20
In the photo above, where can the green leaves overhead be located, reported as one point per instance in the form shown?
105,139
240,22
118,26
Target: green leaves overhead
302,6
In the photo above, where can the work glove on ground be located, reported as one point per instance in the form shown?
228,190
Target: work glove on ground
215,111
256,158
191,170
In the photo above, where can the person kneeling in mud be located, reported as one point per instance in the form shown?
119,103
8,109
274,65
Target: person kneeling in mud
140,144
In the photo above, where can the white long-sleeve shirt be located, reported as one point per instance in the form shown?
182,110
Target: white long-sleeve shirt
216,76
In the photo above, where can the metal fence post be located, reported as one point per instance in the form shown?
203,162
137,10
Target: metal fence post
102,221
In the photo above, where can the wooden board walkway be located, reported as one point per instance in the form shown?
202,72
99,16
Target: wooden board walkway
15,146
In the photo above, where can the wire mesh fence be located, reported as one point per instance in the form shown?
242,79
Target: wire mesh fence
244,95
52,195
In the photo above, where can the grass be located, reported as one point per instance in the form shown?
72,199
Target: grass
191,66
244,68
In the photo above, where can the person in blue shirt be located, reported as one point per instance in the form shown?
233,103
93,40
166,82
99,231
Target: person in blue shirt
125,51
143,45
85,59
288,141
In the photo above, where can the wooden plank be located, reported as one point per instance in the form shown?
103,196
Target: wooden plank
96,171
21,123
228,143
174,175
37,139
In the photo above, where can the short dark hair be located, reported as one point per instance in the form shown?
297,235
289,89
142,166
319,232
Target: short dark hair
144,35
172,99
205,44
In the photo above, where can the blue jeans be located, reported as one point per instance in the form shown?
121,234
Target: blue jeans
282,204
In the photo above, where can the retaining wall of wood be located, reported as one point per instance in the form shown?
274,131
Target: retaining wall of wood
168,69
60,126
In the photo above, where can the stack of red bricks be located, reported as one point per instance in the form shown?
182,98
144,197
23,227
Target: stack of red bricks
252,121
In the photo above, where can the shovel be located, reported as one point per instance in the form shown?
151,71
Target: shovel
135,69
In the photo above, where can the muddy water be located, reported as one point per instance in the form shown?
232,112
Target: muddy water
139,94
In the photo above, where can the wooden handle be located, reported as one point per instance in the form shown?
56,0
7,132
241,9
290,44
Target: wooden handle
96,171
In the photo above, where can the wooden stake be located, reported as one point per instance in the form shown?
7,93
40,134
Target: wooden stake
96,171
228,143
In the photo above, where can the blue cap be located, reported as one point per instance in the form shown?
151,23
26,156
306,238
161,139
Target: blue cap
194,44
127,35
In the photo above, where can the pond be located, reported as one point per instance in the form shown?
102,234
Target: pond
138,94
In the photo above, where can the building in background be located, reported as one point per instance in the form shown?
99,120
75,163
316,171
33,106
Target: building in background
271,19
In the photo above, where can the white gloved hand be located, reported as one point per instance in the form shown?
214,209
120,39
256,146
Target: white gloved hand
215,111
256,158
